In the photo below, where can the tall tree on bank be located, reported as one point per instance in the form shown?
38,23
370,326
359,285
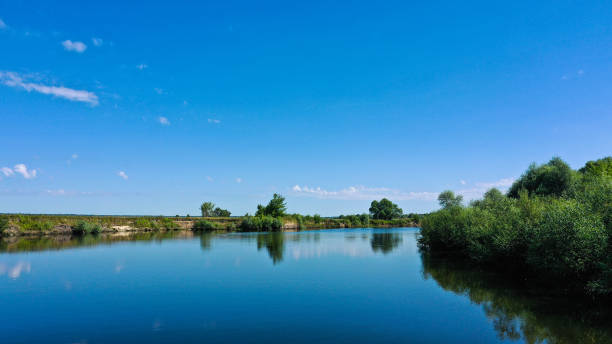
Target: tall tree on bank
207,209
277,207
385,210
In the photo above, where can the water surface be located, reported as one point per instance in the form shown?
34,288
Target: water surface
351,286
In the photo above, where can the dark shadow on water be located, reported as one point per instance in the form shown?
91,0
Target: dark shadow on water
520,313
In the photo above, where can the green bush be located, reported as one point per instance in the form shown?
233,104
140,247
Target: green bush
261,224
84,227
204,226
28,223
4,223
168,224
555,229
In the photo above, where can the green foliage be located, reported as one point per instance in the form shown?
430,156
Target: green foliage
551,179
557,235
601,167
261,224
28,223
448,199
168,224
218,212
316,219
384,210
204,226
84,227
277,207
207,209
4,223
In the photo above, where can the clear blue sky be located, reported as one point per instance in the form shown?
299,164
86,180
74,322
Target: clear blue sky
116,107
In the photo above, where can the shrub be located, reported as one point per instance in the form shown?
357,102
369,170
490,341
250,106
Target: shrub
204,226
316,218
168,224
83,227
261,224
28,223
4,223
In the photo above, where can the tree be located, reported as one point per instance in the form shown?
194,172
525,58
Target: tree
384,210
599,167
447,199
275,208
208,209
551,179
218,212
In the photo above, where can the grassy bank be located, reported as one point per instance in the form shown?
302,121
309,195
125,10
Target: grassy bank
22,224
554,226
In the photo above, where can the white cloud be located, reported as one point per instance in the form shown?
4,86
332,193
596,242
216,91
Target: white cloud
58,192
163,120
23,170
75,156
158,90
215,121
462,182
2,24
238,180
142,66
122,175
480,188
7,171
12,79
209,178
76,46
363,193
97,41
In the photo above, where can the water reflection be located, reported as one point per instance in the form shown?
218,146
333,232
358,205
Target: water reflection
517,313
274,243
385,242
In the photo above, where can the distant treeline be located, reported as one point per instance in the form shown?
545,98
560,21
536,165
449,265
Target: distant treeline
554,225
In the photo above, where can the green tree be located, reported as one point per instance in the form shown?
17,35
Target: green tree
551,179
447,199
384,210
208,209
601,167
277,207
218,212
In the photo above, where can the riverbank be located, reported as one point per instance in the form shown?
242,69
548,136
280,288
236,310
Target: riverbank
41,224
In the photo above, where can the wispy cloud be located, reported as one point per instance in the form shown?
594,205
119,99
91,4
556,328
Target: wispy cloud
163,120
2,24
158,90
97,41
238,180
209,178
19,169
74,156
215,121
363,193
13,79
142,66
75,46
23,170
122,175
7,171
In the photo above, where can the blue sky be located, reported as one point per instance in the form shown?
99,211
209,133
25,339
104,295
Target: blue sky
153,107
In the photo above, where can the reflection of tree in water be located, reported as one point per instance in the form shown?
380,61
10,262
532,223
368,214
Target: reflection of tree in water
385,242
206,241
274,242
520,314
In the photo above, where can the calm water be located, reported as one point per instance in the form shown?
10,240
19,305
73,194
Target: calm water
335,286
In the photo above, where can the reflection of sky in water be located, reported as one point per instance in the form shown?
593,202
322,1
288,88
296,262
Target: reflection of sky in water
16,270
316,286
